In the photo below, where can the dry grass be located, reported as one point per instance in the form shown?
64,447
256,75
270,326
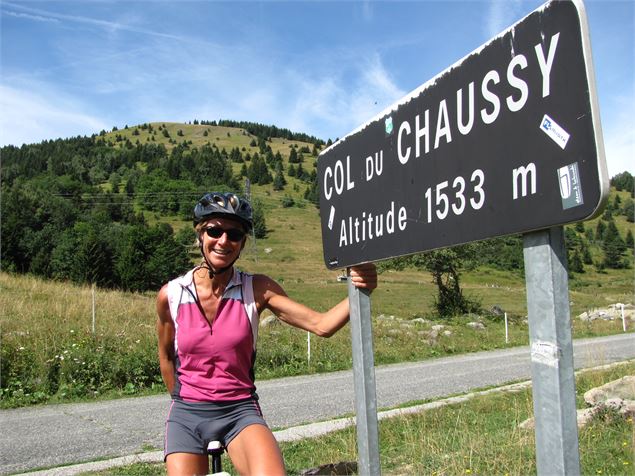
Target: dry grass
43,309
42,319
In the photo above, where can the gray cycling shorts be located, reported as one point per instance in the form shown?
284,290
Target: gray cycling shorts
192,425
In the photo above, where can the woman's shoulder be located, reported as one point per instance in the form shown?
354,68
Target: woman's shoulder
176,284
261,279
185,279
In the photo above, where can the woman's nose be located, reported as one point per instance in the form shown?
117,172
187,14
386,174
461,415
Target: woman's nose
223,238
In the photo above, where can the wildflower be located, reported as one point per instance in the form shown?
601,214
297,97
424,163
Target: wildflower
20,348
72,331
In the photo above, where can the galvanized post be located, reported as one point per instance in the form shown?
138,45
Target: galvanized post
364,380
553,379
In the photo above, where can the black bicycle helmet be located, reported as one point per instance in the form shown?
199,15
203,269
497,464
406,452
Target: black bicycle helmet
224,204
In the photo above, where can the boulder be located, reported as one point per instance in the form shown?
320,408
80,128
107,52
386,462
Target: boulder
618,395
623,388
343,468
419,320
612,312
269,320
497,311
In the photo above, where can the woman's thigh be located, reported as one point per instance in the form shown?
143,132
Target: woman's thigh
254,451
186,464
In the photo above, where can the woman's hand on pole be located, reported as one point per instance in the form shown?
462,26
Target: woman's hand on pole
364,276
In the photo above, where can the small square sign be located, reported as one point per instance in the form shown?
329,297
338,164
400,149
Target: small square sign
570,187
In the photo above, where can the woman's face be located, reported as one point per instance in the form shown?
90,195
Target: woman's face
227,241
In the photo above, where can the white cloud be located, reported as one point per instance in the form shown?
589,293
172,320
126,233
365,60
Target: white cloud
619,135
109,26
374,92
367,11
320,97
317,107
500,15
160,79
620,152
29,16
330,101
29,117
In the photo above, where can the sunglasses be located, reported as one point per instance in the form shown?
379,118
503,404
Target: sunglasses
233,234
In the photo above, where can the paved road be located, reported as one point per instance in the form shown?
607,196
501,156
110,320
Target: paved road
73,433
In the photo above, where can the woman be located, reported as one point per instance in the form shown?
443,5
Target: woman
207,328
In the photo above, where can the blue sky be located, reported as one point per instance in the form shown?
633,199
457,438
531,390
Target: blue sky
321,67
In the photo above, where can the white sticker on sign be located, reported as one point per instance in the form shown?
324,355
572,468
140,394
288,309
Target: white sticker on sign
553,130
570,187
331,217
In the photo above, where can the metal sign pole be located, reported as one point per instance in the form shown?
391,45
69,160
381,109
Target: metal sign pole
553,379
364,380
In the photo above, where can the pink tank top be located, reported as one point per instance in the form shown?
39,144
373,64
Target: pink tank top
214,362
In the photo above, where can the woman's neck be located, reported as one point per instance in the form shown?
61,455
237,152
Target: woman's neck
217,284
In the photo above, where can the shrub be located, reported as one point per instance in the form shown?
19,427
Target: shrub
81,367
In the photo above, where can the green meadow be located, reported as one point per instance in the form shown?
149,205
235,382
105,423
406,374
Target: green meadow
51,354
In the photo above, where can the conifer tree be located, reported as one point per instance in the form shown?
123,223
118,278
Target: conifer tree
613,247
628,210
260,226
575,263
600,230
293,156
279,181
629,241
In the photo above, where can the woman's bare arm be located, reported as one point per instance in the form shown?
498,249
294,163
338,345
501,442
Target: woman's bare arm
270,295
165,333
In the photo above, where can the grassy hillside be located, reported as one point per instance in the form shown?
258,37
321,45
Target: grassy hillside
195,134
292,251
221,137
50,353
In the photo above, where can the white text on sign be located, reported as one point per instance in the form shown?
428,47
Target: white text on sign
442,199
444,127
456,116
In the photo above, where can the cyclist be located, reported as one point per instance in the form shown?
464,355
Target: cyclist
207,328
